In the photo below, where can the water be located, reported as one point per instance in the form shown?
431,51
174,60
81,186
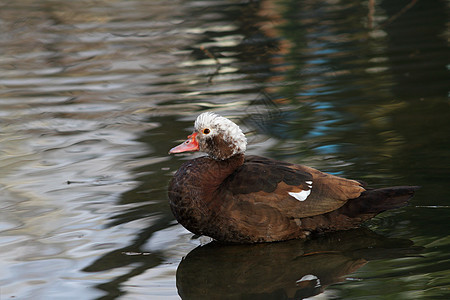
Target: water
93,94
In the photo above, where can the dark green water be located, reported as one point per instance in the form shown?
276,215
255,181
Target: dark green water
93,94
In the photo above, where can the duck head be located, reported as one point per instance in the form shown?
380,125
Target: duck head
217,136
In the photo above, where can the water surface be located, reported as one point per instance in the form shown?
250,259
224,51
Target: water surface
93,94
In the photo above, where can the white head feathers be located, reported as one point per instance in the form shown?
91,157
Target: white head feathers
219,126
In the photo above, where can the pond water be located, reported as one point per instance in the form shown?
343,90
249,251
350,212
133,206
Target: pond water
94,93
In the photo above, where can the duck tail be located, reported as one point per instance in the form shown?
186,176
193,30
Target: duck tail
375,201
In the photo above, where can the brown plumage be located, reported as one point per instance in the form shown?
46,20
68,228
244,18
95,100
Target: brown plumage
235,198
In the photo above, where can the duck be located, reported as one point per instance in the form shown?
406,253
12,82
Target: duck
236,198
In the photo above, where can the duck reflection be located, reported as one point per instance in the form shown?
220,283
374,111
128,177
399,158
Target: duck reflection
288,270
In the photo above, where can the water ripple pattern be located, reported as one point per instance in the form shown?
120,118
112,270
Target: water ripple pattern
94,93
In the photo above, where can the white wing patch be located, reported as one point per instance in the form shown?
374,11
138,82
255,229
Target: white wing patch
302,195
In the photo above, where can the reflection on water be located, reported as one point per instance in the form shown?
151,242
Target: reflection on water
288,270
93,94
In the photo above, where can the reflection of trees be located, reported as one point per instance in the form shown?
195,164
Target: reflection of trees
238,44
289,270
357,89
417,58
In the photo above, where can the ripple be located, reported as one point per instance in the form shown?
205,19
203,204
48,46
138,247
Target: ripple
94,94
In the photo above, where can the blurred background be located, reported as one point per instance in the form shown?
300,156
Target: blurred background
93,94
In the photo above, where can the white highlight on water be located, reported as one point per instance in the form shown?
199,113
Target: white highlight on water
309,277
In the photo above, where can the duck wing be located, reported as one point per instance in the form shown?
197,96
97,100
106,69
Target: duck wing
295,191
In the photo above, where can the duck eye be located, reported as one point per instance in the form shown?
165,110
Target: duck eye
206,131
